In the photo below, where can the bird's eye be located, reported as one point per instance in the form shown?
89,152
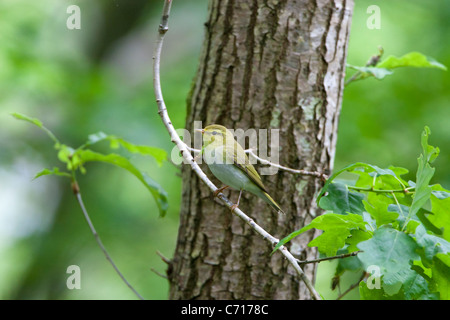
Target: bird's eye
214,133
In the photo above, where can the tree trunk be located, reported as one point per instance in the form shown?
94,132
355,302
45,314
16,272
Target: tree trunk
265,64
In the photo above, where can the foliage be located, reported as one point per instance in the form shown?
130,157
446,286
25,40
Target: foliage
77,93
379,70
400,227
75,159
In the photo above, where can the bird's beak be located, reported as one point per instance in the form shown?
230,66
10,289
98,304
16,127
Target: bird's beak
200,130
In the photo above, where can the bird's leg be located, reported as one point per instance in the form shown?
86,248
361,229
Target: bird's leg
216,193
234,206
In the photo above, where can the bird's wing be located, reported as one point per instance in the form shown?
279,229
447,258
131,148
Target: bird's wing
241,161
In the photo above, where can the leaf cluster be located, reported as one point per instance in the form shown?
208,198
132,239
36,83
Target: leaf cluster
380,69
402,228
75,159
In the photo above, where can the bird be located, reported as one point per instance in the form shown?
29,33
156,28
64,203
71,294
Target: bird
229,163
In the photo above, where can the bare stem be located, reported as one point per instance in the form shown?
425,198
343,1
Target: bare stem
373,61
340,256
77,193
297,171
162,111
163,258
371,189
159,273
353,286
276,165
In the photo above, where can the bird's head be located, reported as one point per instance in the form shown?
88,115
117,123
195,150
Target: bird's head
216,134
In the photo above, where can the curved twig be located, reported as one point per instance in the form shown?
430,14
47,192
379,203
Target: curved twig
76,191
302,172
340,256
162,111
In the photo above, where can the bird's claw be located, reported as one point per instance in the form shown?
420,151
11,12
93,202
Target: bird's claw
216,193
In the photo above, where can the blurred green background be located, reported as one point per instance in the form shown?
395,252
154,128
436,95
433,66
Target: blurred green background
99,78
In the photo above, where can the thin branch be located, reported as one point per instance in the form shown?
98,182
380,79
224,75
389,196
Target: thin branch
354,77
297,171
163,258
373,61
162,110
77,193
340,256
372,189
159,273
353,286
401,212
264,161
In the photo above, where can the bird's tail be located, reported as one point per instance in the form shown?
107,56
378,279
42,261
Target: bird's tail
272,203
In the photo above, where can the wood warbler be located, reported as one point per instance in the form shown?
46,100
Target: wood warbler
228,162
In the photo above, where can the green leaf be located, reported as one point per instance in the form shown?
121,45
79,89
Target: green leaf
424,174
412,59
155,189
55,172
423,216
366,293
75,159
412,285
430,245
96,137
65,155
440,280
440,217
430,153
378,73
37,123
158,154
390,176
390,250
350,168
34,121
342,201
378,209
385,67
381,179
371,223
406,222
441,195
337,228
357,236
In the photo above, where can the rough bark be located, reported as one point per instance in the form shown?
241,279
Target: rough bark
265,64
